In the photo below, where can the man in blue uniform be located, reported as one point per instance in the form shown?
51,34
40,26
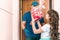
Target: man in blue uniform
26,26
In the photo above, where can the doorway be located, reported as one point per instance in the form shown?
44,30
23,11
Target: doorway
25,6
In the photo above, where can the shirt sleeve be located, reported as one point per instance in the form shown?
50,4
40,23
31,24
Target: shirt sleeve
41,20
24,18
45,28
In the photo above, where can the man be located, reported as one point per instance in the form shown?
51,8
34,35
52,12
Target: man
26,24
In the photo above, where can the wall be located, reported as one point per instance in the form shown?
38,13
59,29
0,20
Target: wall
15,9
56,7
9,19
5,20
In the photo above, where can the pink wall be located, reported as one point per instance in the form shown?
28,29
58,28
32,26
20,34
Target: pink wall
9,20
5,20
56,7
15,9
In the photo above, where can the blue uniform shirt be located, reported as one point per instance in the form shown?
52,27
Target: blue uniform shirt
28,29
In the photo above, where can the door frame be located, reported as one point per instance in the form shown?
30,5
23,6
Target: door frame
20,16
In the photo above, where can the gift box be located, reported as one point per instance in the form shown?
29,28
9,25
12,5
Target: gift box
36,13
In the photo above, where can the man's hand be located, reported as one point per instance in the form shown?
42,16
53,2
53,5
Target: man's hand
23,25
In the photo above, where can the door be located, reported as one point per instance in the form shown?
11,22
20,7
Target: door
26,6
